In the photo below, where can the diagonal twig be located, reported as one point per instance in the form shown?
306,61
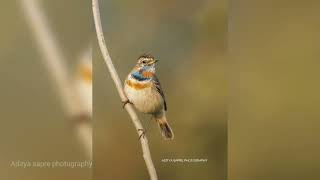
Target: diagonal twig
118,83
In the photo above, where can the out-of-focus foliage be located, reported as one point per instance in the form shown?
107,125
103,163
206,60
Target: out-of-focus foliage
189,39
274,94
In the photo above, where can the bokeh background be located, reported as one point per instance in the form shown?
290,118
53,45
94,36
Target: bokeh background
33,123
271,80
189,39
274,90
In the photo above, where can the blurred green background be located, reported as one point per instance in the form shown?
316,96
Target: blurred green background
33,123
189,39
274,90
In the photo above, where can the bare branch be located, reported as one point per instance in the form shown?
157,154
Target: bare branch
118,83
54,61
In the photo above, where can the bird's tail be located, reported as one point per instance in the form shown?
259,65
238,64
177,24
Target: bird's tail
165,128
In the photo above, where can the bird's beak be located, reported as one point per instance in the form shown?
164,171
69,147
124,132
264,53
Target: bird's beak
155,61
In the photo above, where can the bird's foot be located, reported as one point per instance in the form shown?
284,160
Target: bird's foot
143,133
126,102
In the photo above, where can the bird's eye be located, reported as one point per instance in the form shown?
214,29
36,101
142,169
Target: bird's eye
144,62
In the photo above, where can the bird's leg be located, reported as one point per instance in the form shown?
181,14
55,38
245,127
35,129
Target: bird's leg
126,102
142,134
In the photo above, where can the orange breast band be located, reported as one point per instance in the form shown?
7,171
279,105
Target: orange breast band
138,86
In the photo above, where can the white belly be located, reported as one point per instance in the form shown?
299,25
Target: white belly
145,100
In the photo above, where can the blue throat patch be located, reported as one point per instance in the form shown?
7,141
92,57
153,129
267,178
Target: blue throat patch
136,75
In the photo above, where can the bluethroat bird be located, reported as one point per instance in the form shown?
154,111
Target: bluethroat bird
143,90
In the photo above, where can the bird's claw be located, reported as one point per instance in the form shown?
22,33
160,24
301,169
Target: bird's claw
143,133
126,102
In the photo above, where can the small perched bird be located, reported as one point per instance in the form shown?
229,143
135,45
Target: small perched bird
143,90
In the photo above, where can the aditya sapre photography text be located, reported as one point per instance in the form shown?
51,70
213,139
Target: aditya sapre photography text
50,164
184,160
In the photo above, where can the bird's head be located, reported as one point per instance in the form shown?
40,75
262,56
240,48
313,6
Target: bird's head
146,62
145,68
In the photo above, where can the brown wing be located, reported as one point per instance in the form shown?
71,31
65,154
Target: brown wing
159,89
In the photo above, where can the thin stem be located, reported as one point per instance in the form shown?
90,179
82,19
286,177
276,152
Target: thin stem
118,83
